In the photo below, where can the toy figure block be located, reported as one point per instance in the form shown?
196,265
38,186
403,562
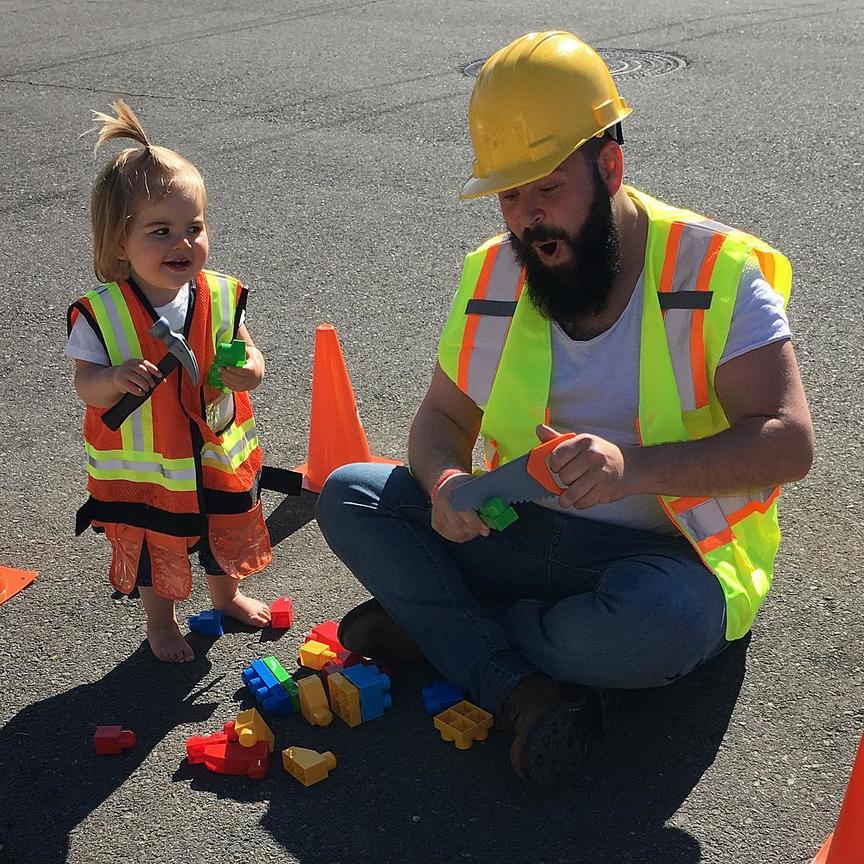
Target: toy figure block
206,623
270,695
374,689
110,740
313,701
344,699
326,633
227,354
463,724
221,755
308,766
251,728
282,613
314,654
287,681
440,695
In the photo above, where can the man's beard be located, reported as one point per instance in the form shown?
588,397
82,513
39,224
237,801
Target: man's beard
580,287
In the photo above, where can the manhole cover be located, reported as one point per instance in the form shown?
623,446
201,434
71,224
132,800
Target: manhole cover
622,63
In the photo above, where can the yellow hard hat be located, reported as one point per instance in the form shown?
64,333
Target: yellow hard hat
534,103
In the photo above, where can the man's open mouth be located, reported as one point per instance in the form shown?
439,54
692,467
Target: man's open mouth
548,249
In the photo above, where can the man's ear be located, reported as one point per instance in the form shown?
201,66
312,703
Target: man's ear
610,164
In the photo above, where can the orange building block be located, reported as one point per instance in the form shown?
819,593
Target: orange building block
251,728
308,766
344,699
314,654
313,701
463,724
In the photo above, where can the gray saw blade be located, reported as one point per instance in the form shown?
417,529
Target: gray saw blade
511,483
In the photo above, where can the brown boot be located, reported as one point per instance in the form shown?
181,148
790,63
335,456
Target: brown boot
553,724
368,630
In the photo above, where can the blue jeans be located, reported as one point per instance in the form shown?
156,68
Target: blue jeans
582,601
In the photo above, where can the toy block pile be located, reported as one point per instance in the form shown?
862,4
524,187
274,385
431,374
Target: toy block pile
273,688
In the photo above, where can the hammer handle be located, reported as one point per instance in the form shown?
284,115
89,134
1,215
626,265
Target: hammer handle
113,418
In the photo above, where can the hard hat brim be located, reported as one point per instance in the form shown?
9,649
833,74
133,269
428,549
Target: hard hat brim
500,181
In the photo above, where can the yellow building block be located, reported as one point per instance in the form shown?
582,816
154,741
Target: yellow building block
315,654
463,724
313,701
308,766
251,728
344,699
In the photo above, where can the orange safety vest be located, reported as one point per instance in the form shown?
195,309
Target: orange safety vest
168,477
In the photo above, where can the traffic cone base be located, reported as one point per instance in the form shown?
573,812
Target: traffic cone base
12,581
336,435
846,844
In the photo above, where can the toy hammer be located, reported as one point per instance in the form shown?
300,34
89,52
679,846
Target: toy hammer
179,354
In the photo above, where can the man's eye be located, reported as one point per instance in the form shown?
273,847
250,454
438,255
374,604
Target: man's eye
546,190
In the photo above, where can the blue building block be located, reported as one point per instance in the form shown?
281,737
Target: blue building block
374,687
440,695
270,695
207,623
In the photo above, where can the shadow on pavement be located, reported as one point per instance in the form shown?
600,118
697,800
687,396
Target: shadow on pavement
399,793
290,515
46,751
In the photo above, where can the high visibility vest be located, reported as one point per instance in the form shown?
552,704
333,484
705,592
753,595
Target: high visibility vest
497,348
189,453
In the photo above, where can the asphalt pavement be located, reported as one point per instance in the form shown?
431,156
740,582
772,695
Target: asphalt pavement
332,137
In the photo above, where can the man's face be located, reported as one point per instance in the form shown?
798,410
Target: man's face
570,261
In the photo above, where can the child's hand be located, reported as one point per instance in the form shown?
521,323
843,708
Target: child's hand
246,377
135,376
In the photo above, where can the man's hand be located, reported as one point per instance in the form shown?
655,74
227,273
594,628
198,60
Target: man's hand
461,526
591,468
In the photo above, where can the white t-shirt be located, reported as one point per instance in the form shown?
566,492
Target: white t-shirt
595,384
84,344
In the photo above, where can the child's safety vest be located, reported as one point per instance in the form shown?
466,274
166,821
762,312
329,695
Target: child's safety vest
185,464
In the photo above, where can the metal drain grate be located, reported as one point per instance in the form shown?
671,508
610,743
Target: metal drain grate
622,63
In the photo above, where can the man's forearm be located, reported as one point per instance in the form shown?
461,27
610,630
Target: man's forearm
435,445
756,453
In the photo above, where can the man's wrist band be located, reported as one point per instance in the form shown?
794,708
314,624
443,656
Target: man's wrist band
445,476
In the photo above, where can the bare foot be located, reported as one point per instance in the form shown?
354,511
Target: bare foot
226,597
168,644
163,634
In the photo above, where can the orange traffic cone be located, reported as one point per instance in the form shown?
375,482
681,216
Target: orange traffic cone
336,435
846,844
12,581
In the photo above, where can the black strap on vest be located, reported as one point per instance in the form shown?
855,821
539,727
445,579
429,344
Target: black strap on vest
685,299
281,480
491,308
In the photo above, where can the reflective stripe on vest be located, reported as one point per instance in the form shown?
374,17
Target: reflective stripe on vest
177,475
237,445
121,340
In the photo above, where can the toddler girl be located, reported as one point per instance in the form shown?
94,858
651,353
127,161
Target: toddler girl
181,473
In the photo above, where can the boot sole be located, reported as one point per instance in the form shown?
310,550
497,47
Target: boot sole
554,750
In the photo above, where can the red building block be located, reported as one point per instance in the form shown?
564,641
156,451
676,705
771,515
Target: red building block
110,740
326,633
218,753
282,613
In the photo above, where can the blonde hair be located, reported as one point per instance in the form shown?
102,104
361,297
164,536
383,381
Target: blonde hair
135,174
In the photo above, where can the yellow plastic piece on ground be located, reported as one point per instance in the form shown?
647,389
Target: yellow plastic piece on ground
344,699
251,728
315,655
308,766
518,128
463,724
313,701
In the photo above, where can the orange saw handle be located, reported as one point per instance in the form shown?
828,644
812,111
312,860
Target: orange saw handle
538,465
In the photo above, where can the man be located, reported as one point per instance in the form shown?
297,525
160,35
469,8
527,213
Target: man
657,336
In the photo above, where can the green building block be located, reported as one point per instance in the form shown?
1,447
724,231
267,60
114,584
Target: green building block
496,514
227,354
287,681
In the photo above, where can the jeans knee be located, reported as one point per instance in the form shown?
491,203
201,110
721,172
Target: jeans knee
340,487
